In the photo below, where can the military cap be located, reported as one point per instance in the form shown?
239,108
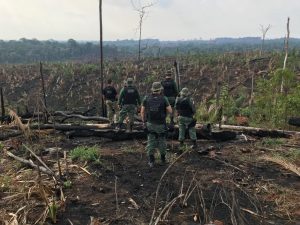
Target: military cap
156,87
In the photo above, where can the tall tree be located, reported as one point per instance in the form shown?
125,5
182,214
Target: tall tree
101,57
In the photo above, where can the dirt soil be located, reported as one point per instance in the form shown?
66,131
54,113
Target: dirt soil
229,184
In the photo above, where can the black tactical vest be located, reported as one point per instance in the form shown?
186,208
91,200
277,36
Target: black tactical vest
169,90
130,96
156,109
184,108
110,93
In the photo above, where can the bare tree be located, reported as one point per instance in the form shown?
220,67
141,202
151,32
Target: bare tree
286,47
101,57
264,31
142,11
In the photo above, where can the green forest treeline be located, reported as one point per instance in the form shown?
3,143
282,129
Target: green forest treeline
33,50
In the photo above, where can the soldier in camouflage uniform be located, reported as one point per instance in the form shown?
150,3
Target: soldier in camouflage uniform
110,97
128,102
170,91
185,108
154,111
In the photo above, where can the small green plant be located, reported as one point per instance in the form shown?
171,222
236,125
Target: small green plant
272,142
85,153
68,184
1,146
52,211
128,149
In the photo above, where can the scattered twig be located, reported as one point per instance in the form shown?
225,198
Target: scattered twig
30,163
159,184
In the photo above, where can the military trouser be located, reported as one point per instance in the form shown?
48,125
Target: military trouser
172,104
156,138
112,110
127,110
183,123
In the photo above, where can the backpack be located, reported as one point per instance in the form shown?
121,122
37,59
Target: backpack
110,93
156,109
130,96
184,108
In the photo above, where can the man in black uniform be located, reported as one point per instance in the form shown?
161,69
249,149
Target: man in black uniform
110,97
170,91
154,111
129,100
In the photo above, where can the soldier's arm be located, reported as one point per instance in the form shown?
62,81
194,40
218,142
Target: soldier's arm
143,110
168,108
192,104
143,114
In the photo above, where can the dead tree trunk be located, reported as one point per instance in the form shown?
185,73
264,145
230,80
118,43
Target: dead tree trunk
101,58
286,47
2,105
264,32
45,114
177,75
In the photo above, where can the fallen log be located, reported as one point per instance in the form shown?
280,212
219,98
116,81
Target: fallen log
294,121
259,132
78,116
141,134
11,134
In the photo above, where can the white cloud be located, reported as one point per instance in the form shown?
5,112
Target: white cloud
167,19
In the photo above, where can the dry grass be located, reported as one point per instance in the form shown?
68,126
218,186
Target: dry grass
282,162
285,200
17,121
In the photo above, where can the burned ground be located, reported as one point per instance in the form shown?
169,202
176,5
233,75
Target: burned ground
232,184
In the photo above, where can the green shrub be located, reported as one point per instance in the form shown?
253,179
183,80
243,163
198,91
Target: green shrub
272,141
85,153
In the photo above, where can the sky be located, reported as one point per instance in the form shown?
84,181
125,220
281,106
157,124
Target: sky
165,20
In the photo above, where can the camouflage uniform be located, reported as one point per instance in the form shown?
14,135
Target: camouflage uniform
110,95
155,108
186,109
171,92
128,101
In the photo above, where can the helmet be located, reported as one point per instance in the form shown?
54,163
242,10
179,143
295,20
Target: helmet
185,92
129,81
156,87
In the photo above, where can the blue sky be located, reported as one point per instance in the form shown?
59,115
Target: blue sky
166,19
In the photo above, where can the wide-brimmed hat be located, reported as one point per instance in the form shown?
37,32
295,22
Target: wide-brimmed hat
184,92
129,81
156,87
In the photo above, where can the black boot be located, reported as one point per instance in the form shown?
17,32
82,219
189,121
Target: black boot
151,160
119,126
181,147
163,159
194,145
